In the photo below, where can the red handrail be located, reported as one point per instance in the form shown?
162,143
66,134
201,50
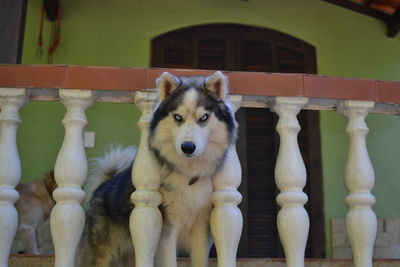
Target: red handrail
244,83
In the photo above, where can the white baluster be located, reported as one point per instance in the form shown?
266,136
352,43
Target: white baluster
145,220
67,217
290,177
226,218
359,179
11,100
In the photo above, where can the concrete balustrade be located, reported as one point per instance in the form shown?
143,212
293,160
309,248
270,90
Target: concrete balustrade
291,177
145,220
226,218
67,217
11,100
359,178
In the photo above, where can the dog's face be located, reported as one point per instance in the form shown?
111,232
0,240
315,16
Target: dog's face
193,122
191,125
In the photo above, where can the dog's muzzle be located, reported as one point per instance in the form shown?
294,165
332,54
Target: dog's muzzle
188,148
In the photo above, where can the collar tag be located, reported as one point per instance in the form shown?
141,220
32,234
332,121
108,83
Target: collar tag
193,180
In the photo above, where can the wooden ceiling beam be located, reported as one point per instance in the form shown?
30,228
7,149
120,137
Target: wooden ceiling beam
360,8
394,24
392,21
368,2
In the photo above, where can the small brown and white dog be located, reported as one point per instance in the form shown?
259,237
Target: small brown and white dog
34,207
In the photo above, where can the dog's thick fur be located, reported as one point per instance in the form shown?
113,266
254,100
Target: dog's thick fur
34,207
191,130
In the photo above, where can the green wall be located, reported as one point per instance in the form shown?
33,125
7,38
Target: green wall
118,33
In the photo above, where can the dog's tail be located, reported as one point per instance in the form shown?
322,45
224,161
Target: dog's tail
115,160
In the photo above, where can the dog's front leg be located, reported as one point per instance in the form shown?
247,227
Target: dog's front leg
28,235
200,243
166,250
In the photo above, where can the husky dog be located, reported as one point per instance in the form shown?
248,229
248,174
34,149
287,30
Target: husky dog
191,130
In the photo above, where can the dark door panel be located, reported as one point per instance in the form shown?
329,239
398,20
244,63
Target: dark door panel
246,48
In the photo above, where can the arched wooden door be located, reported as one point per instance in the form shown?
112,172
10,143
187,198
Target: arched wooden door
246,48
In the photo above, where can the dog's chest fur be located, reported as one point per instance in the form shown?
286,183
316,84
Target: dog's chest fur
186,201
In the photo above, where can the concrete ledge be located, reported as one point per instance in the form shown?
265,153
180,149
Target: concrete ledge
48,260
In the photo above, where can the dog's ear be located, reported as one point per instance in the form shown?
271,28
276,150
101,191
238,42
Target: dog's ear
166,84
218,84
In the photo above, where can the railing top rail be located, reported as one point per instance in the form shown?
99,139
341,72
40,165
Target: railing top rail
241,83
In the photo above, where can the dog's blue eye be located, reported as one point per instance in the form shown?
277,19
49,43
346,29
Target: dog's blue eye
178,117
203,118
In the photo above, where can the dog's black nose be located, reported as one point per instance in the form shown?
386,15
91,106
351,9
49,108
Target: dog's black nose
188,148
